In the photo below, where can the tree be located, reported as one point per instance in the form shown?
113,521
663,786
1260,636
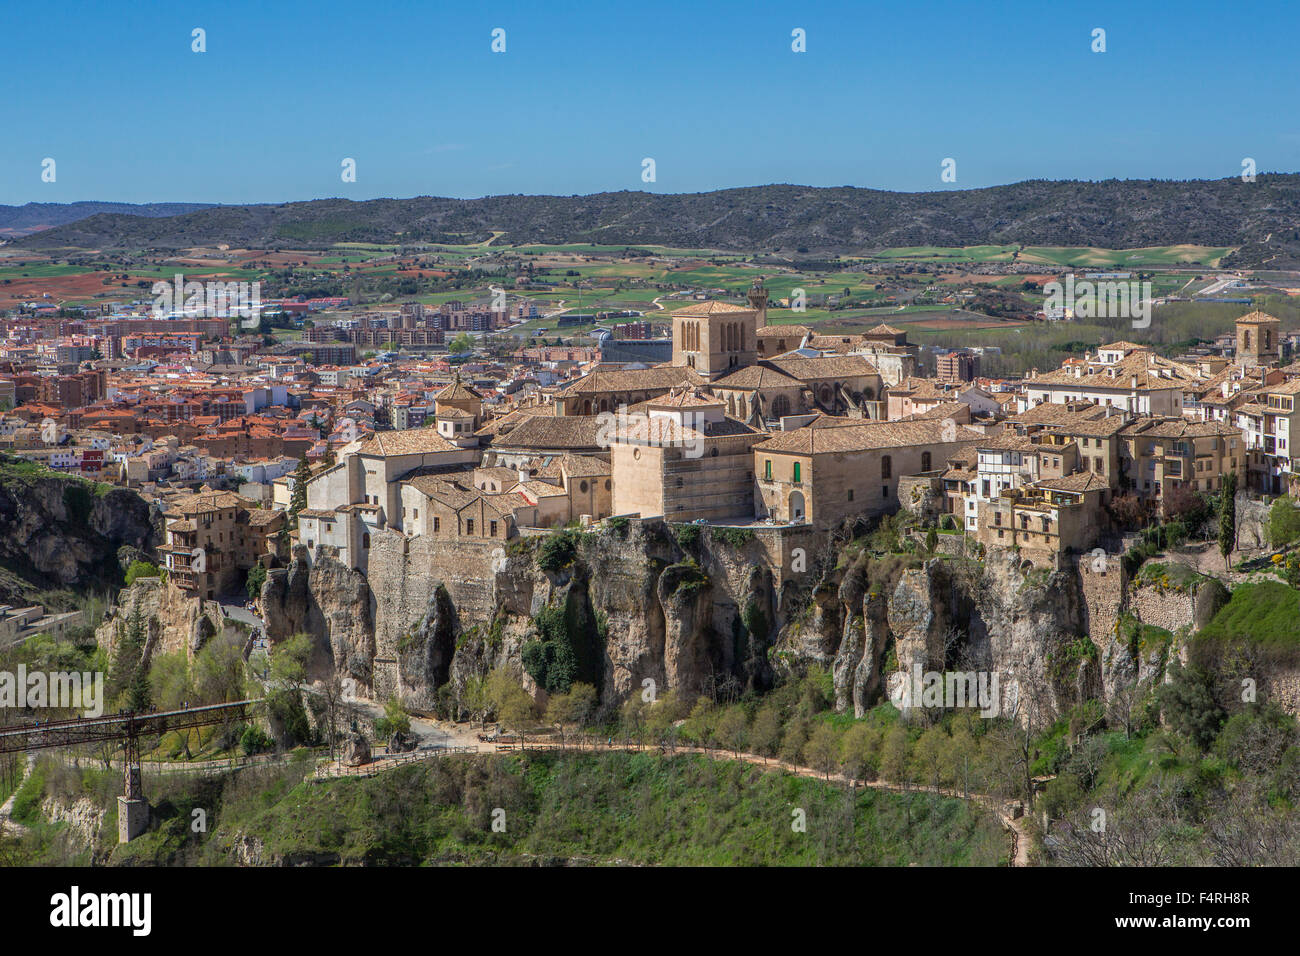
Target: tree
510,701
289,660
129,678
930,752
461,343
559,713
857,750
1283,522
256,578
1228,516
765,733
395,720
731,729
298,498
218,672
1188,706
141,569
822,749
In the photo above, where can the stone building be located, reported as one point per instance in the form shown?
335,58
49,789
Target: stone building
1258,339
715,338
215,538
682,458
833,469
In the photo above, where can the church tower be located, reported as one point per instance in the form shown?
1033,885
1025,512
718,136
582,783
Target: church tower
758,301
715,338
1257,339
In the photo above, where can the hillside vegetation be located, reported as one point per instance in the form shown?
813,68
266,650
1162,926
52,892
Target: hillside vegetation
550,808
1114,214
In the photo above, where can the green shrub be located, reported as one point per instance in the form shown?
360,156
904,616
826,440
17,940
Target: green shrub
254,741
557,552
141,569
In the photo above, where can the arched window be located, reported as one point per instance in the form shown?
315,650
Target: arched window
925,461
886,466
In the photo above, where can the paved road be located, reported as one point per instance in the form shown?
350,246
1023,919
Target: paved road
235,610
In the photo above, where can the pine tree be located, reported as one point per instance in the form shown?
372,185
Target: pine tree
128,677
1228,516
298,500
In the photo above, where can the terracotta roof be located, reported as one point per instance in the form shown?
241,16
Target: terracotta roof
757,377
685,398
457,391
826,366
631,380
711,307
410,441
1257,318
552,431
865,436
777,331
1079,482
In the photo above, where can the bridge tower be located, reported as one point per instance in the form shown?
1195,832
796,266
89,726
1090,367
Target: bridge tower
132,807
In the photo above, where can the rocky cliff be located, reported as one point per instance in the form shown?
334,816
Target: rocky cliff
59,532
623,606
701,611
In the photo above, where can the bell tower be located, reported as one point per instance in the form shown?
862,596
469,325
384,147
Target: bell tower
758,301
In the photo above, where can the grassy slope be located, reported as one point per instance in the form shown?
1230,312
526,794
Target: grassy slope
621,808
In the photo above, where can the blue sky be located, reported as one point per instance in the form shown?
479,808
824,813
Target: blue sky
585,90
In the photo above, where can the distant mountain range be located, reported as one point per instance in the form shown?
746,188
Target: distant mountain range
1262,218
38,216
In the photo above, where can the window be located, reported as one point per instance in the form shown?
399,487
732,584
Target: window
469,525
493,530
925,461
797,476
850,494
436,523
884,491
416,516
767,470
365,541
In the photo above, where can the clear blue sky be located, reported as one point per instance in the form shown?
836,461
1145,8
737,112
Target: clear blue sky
586,90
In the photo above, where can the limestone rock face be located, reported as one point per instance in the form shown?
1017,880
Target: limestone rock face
424,654
60,532
173,621
703,615
332,603
430,615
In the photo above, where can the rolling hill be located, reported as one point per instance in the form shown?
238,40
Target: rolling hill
38,216
1260,218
